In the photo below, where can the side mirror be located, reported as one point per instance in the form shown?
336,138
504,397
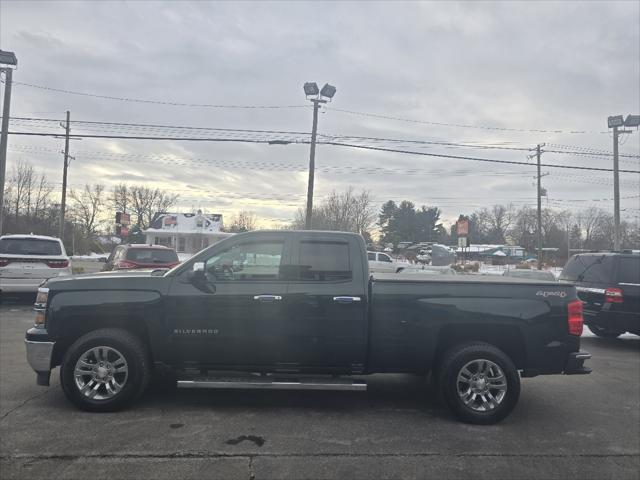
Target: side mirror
197,272
198,278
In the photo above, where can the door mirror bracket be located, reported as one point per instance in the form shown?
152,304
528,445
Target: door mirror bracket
198,278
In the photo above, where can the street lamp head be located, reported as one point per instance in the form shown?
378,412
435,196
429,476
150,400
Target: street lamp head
8,58
632,121
311,89
328,91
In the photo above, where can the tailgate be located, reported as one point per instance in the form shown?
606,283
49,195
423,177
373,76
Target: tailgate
593,298
32,267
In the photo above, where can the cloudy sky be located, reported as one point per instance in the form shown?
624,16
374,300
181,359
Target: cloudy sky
483,74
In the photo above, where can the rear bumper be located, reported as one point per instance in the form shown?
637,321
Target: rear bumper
614,320
575,364
21,285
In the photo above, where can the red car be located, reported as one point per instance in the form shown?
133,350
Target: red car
127,257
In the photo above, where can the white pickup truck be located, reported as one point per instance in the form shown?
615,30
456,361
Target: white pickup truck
383,263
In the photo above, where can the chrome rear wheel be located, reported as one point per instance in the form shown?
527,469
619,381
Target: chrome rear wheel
481,385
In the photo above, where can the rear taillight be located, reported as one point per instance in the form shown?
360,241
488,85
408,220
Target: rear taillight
57,263
613,295
123,264
574,318
4,262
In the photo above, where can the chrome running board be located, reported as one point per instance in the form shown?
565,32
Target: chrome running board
266,383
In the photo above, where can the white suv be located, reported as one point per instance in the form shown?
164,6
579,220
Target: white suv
27,260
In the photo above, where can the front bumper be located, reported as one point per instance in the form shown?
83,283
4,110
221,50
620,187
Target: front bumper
575,364
39,357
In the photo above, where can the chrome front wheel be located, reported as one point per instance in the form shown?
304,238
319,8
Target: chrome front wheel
101,372
105,370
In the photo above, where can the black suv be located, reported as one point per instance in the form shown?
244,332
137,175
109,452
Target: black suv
609,286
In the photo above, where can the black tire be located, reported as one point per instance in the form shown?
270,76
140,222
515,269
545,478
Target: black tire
604,332
452,364
137,362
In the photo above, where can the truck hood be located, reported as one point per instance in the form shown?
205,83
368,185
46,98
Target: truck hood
119,280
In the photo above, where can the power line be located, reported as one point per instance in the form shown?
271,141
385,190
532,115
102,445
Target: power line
458,157
351,112
585,151
140,137
339,144
157,126
157,102
458,125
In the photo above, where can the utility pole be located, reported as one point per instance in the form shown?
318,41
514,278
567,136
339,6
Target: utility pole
616,193
538,154
568,241
8,73
63,203
616,122
312,162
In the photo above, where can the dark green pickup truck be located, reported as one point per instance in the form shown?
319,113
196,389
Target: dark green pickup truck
298,309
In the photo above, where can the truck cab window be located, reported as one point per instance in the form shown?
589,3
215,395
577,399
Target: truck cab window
384,258
247,261
371,256
324,261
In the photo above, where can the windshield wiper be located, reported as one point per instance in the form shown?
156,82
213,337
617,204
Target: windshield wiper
580,277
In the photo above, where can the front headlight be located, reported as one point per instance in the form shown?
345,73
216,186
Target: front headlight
40,307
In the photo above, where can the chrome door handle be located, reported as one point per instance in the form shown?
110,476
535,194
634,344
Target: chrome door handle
346,299
267,298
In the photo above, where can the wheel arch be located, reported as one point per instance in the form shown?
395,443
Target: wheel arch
507,338
78,327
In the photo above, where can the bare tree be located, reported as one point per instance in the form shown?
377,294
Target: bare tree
588,221
344,211
496,222
42,197
87,207
22,185
146,202
243,221
120,197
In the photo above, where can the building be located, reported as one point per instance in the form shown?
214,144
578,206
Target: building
185,232
502,254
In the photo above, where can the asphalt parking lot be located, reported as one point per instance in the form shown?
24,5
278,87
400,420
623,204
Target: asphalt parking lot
585,427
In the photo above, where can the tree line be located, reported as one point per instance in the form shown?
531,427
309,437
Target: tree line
31,206
587,229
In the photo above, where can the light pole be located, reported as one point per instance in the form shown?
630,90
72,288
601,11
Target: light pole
8,62
615,122
317,97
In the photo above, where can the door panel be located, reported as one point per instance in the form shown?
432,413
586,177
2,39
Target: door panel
324,327
236,318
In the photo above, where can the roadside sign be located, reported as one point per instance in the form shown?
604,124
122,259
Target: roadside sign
462,242
123,218
462,226
615,121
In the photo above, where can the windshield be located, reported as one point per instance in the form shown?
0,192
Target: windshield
30,246
152,255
